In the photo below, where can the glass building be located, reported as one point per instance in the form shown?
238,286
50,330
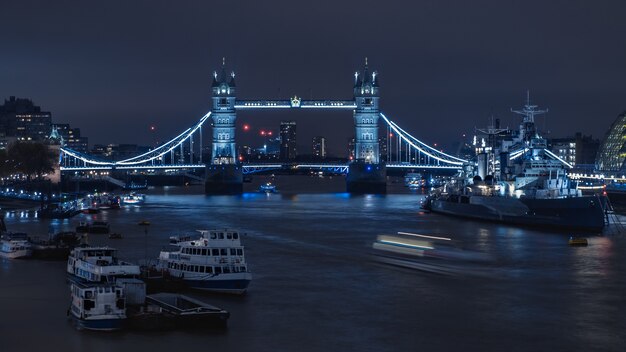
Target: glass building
612,153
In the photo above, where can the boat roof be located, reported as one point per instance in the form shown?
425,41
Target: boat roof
82,249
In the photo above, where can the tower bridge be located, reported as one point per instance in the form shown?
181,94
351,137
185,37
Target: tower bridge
224,172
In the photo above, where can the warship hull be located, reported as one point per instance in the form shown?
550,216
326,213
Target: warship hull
586,213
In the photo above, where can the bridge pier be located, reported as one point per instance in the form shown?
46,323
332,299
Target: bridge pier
223,179
366,178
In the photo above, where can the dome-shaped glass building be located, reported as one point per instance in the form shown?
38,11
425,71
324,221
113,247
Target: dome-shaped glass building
611,156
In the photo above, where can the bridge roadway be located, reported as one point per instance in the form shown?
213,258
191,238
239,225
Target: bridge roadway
256,167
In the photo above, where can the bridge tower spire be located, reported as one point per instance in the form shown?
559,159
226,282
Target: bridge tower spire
366,173
223,172
366,115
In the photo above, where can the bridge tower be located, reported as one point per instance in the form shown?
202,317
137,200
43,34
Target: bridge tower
366,173
223,172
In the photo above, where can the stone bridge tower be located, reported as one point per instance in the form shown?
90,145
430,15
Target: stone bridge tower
223,172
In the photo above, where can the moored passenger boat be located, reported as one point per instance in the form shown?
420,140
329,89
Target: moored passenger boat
15,245
213,262
98,264
56,247
97,306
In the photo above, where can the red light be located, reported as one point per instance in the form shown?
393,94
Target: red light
246,127
435,144
241,158
262,133
152,128
269,133
390,135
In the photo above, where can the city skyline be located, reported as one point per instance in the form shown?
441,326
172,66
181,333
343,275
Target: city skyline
455,64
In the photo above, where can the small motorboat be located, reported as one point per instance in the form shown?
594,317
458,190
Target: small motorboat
578,241
94,227
267,188
115,236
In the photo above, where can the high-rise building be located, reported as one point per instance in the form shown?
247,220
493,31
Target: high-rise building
383,141
351,148
288,140
578,150
564,148
319,147
71,137
24,120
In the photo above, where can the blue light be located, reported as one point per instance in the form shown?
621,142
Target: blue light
369,168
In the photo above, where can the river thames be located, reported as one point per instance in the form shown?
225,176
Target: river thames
316,286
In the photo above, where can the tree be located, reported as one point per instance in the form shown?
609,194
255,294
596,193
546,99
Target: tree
5,164
31,158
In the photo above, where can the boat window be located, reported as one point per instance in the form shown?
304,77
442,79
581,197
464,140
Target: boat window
88,294
243,269
209,269
218,270
184,267
239,251
235,235
204,251
226,270
229,236
215,251
223,251
220,236
213,235
233,251
202,269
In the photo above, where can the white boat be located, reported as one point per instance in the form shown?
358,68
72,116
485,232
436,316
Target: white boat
133,198
98,264
431,253
413,179
15,246
213,262
98,307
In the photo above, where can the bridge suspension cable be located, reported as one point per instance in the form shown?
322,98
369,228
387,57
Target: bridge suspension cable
147,157
421,146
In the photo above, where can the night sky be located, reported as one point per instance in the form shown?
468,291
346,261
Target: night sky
115,68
